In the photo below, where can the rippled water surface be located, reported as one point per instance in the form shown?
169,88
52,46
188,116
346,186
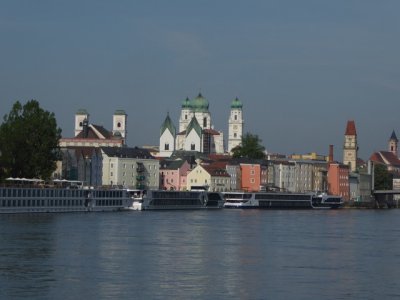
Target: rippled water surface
222,254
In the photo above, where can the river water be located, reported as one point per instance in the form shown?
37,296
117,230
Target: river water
221,254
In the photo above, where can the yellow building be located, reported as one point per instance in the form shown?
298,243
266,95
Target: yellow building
210,177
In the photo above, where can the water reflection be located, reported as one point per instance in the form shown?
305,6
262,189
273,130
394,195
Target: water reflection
227,254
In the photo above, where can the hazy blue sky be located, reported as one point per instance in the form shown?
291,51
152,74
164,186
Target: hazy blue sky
301,68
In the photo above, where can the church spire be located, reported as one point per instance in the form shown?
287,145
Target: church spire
393,143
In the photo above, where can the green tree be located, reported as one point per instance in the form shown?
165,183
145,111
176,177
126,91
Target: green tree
249,148
383,179
29,139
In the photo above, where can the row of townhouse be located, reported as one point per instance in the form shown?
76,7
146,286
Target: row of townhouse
245,175
136,168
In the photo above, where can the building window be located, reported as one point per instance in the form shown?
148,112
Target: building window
192,147
118,124
235,135
111,174
185,117
252,172
252,180
235,117
112,165
166,147
205,122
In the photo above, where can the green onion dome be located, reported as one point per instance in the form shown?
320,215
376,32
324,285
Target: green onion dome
186,103
236,103
200,104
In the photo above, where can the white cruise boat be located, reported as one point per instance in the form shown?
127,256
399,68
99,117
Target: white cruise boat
281,200
162,200
137,199
33,198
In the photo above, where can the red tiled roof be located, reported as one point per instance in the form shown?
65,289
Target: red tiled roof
91,134
391,158
215,170
375,157
211,131
351,128
386,157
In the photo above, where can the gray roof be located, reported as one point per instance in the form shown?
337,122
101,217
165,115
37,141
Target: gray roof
171,164
127,152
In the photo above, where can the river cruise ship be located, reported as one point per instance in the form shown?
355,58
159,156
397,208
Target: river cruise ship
159,200
36,198
281,200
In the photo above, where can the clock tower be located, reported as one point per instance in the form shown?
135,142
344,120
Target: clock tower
235,125
350,148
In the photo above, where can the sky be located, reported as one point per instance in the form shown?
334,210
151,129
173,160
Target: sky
301,68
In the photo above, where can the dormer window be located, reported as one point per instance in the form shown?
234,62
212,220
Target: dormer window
166,147
192,147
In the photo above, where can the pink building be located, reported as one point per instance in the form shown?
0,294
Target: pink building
338,180
173,174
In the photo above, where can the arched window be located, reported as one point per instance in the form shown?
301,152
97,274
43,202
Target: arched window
205,122
166,147
192,147
118,124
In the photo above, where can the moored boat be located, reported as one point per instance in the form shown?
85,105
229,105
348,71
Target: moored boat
161,200
137,199
34,198
281,200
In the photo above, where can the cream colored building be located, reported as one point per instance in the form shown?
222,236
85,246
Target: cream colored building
213,178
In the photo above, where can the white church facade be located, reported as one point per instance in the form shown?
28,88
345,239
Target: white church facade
196,131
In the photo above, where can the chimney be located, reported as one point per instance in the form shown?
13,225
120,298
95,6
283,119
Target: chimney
330,157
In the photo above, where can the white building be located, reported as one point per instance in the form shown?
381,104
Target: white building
196,132
91,135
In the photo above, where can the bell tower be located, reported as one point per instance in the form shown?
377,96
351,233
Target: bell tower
186,114
350,148
393,142
235,130
119,124
80,116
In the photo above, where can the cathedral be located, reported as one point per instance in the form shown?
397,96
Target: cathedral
196,132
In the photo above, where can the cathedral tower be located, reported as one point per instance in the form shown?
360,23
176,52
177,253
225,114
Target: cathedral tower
119,124
235,125
393,141
80,116
186,115
350,147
